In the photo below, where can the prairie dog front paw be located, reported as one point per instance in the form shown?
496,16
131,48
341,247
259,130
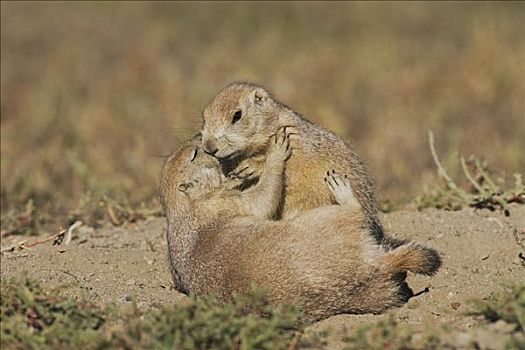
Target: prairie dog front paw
279,150
246,173
340,188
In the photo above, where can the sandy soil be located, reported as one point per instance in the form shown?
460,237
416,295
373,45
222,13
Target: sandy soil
479,248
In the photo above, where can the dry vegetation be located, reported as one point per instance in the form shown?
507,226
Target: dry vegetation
95,94
34,319
480,191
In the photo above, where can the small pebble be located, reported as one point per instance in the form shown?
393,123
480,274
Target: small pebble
455,305
413,304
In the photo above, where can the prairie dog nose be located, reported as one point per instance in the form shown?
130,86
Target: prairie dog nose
210,147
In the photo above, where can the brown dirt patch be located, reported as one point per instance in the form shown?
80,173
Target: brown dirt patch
479,248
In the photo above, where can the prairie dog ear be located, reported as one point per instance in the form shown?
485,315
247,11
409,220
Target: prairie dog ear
194,154
258,97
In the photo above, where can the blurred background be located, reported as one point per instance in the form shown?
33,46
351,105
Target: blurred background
95,95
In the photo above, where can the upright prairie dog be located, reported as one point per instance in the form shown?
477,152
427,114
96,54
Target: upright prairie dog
237,125
221,240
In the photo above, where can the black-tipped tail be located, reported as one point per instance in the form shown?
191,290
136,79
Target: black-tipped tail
414,258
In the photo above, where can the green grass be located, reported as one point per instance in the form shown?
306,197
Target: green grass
94,94
381,335
34,319
507,305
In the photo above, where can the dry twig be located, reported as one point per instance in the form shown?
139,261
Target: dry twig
114,220
69,234
24,245
469,177
485,193
443,173
54,237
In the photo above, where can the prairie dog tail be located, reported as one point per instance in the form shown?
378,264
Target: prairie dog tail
412,257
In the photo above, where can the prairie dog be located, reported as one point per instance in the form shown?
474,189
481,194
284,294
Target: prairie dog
221,241
237,125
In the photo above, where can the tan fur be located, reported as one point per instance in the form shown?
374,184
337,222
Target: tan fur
222,242
316,149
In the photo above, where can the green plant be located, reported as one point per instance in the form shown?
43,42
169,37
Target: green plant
33,319
250,322
508,305
481,191
386,334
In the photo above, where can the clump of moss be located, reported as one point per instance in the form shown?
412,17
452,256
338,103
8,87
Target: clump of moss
386,334
481,191
249,322
508,306
33,319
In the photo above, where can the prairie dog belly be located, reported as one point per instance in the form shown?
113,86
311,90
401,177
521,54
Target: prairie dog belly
305,188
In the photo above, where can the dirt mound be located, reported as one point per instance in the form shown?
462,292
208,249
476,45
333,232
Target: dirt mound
480,251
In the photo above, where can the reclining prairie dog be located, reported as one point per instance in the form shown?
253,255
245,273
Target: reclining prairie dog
221,241
237,125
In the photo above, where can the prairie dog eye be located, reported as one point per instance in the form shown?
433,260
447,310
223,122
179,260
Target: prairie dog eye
193,155
183,187
236,116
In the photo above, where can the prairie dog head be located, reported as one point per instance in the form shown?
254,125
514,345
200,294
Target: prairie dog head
196,173
239,120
